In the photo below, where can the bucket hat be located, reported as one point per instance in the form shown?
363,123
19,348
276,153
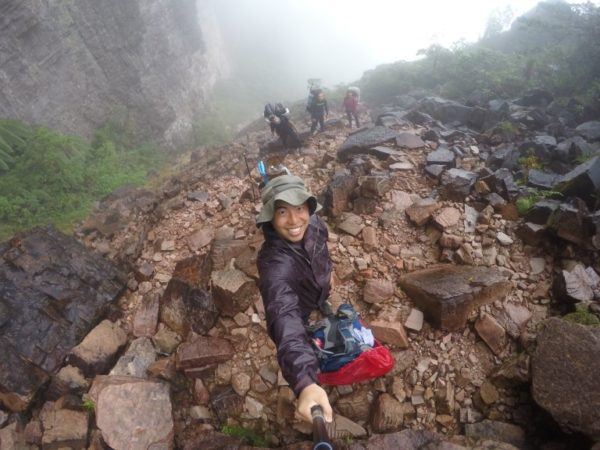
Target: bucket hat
287,188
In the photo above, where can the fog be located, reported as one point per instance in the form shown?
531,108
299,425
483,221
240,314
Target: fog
276,45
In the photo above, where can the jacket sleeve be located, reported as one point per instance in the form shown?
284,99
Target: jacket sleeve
296,357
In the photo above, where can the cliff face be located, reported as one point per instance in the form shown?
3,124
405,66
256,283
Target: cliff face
72,64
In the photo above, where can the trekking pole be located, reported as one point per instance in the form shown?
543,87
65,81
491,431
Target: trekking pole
250,176
320,437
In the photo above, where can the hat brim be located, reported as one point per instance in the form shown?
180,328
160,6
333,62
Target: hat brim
294,197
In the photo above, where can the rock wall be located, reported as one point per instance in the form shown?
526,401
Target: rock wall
71,65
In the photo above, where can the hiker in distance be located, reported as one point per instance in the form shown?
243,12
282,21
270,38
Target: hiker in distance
318,109
351,106
294,280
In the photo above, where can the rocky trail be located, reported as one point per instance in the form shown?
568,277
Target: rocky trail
426,243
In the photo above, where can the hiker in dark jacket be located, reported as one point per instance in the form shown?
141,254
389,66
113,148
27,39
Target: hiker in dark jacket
294,269
318,110
278,118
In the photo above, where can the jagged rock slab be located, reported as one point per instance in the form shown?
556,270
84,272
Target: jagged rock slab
203,352
572,224
565,368
224,250
448,293
52,292
232,291
374,186
338,193
64,428
421,211
542,211
387,414
186,303
441,156
457,184
140,355
576,285
98,350
362,141
540,179
583,181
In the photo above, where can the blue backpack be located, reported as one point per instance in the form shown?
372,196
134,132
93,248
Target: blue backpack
340,338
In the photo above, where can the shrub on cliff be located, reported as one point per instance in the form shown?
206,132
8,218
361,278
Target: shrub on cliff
55,178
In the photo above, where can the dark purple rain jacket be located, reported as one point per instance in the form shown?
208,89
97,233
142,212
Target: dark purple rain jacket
294,281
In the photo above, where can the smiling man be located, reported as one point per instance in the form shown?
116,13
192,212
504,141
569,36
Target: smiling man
294,269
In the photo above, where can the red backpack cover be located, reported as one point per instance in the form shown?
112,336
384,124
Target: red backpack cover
370,364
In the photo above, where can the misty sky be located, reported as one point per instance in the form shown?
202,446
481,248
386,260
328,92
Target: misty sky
337,40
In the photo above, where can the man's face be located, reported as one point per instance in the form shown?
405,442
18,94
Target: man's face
290,222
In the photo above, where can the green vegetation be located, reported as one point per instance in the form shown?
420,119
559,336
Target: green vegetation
249,436
555,47
528,162
583,318
524,204
508,129
54,178
88,405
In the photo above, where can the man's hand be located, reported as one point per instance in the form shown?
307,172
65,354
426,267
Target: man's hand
312,395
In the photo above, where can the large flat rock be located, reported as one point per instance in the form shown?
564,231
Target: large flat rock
362,141
134,414
447,293
52,293
565,368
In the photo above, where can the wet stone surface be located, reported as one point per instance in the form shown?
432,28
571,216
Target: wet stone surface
52,292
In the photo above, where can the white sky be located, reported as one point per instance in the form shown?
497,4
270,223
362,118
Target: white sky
395,30
337,40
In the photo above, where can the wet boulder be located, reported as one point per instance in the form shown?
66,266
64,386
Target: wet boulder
391,118
580,284
541,179
583,181
503,156
133,413
363,140
338,193
573,148
97,352
448,111
535,97
503,183
202,354
541,211
448,293
567,386
434,170
186,303
441,156
419,118
52,293
589,130
572,224
456,184
232,291
374,186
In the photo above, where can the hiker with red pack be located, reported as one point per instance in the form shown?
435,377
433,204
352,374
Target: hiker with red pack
351,106
294,280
